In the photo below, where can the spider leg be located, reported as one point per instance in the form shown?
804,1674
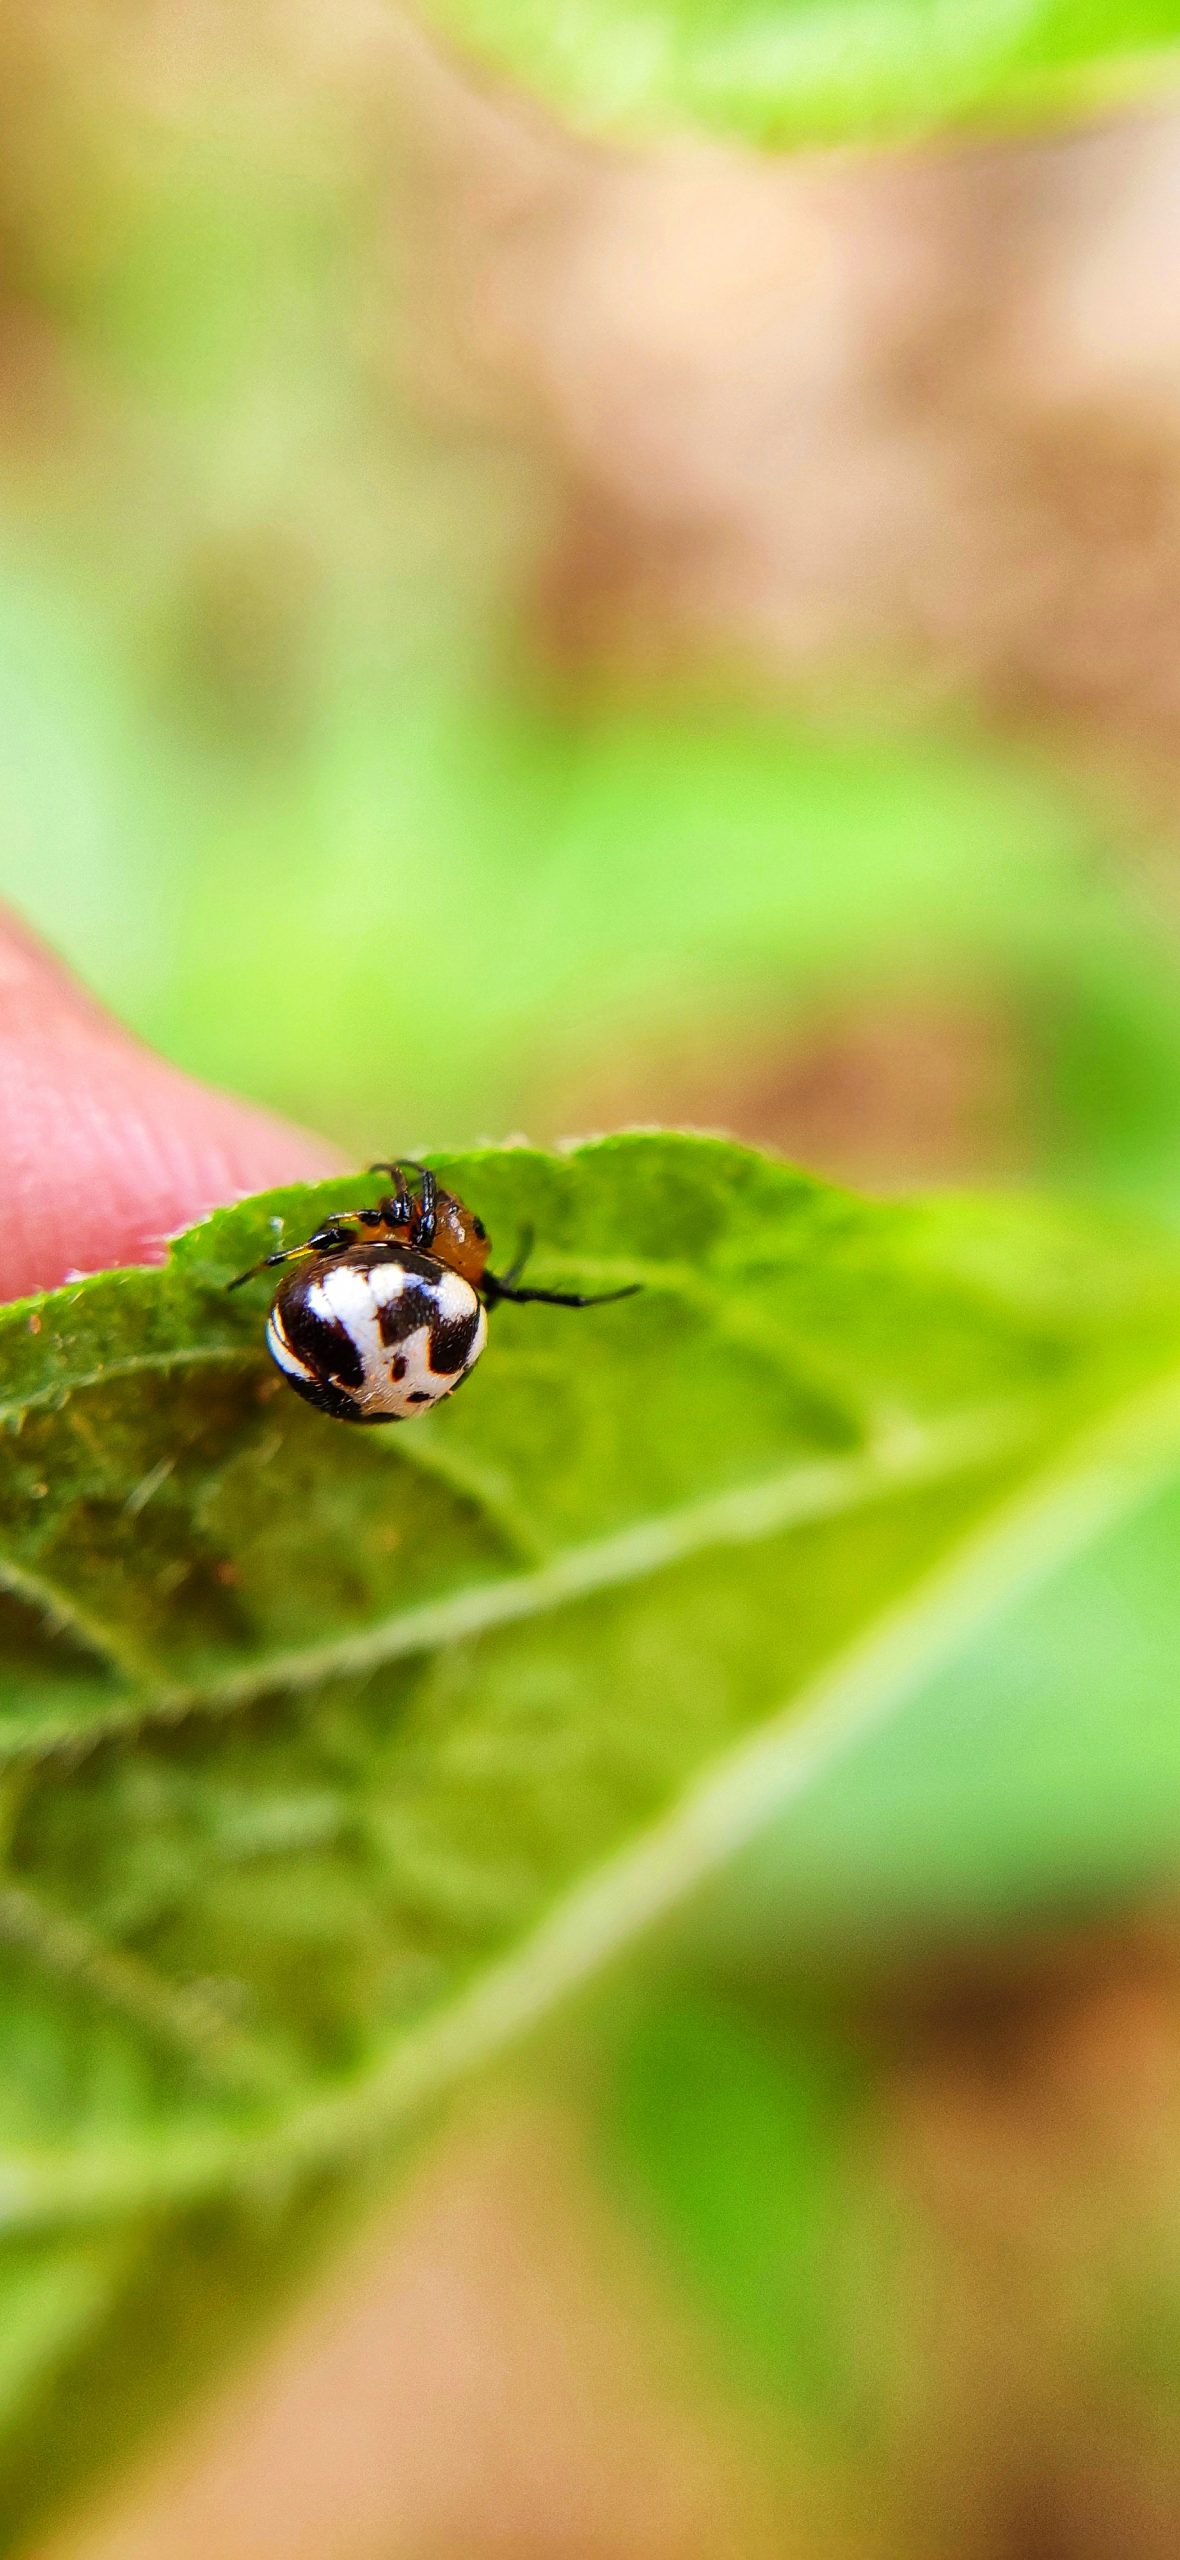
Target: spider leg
510,1277
397,1209
496,1289
401,1209
331,1237
428,1211
503,1285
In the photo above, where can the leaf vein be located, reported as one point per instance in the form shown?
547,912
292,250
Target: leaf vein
1098,1477
907,1455
185,2020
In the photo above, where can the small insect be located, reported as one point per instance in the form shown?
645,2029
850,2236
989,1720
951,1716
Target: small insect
387,1311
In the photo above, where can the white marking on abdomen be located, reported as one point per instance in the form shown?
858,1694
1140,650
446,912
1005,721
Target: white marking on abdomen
347,1297
353,1300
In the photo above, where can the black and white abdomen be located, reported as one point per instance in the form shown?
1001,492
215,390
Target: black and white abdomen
375,1334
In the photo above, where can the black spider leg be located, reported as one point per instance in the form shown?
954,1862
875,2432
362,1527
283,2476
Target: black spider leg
399,1210
494,1289
428,1214
331,1237
509,1278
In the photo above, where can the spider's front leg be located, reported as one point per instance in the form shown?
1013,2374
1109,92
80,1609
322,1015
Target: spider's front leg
417,1218
332,1236
499,1285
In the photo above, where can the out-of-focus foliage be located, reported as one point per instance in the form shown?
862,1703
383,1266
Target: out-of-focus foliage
743,2136
336,1758
278,772
448,906
792,71
917,2216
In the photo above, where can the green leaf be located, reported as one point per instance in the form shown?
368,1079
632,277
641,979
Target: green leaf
331,1761
1061,1795
776,71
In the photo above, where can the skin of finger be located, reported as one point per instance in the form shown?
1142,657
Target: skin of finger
105,1150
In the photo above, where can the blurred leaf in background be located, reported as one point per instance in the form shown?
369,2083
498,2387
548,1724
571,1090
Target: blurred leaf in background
796,71
276,773
930,2222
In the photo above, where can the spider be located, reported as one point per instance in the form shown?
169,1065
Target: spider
387,1310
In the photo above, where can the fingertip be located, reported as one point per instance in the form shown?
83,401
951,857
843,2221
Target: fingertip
105,1149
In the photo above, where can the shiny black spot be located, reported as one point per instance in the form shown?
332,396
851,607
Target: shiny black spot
449,1346
399,1367
333,1400
478,1229
316,1339
419,1396
406,1314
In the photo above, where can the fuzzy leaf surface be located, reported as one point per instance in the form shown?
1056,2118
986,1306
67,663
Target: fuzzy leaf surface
332,1760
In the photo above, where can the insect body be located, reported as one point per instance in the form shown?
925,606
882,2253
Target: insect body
386,1310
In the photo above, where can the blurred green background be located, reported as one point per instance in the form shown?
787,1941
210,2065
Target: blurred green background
501,636
321,756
